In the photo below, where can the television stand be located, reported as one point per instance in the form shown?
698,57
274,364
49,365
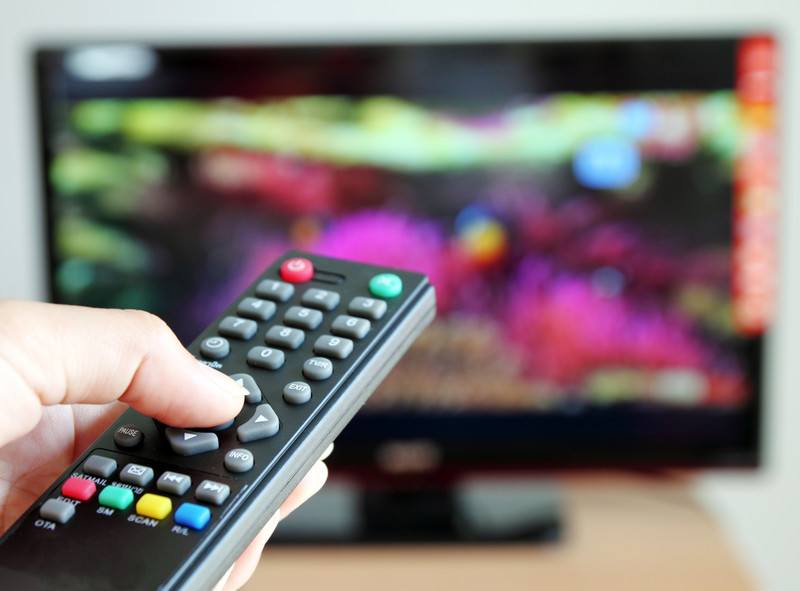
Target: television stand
470,511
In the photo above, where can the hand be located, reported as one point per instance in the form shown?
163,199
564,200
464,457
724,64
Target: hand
66,373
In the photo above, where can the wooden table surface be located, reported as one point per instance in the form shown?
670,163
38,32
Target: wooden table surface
621,535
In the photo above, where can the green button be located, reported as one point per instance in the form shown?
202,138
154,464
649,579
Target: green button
116,497
386,285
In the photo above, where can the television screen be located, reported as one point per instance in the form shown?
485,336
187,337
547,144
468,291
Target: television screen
597,219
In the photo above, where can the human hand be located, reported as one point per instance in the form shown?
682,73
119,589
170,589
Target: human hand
67,372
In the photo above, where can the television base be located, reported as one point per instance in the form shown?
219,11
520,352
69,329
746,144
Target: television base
471,511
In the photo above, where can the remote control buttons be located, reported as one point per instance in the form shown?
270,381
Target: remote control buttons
297,393
174,483
155,506
386,285
256,309
318,368
265,357
238,328
189,443
116,497
367,308
264,423
320,298
212,492
247,382
99,466
330,346
194,516
277,291
303,317
215,348
297,270
285,337
57,510
79,489
238,460
351,327
128,436
136,474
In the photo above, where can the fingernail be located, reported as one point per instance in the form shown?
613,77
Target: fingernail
224,383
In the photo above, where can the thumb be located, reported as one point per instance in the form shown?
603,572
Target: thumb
53,354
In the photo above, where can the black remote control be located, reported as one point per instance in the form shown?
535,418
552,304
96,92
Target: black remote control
152,507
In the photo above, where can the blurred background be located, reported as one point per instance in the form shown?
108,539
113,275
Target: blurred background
601,196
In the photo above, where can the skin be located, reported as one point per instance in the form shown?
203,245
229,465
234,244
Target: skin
67,372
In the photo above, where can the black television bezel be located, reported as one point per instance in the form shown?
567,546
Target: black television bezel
478,455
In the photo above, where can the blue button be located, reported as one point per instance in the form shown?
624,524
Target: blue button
191,515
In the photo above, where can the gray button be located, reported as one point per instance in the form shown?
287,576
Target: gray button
265,357
212,492
221,426
277,291
189,443
128,436
256,309
57,510
303,317
320,298
351,327
249,384
238,460
297,392
99,466
367,308
283,336
318,368
238,328
174,483
264,423
136,474
331,346
215,348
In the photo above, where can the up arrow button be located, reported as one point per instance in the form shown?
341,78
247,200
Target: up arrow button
264,423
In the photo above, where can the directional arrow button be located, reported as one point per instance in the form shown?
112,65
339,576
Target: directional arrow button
264,423
248,383
189,443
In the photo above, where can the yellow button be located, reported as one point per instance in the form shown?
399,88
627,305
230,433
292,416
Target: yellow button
154,506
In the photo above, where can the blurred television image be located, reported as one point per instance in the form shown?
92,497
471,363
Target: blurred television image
592,214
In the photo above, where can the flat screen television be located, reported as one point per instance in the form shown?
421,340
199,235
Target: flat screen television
598,217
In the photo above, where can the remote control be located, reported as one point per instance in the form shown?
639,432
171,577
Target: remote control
153,507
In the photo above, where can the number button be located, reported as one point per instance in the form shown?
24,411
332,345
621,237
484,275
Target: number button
367,308
265,358
256,309
215,348
303,317
320,298
238,328
285,337
277,291
331,346
351,327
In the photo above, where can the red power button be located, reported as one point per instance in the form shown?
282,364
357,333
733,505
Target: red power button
297,270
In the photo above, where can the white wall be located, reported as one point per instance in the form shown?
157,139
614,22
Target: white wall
761,513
